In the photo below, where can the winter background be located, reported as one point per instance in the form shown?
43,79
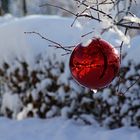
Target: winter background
38,97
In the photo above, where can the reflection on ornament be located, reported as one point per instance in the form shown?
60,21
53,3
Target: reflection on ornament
94,65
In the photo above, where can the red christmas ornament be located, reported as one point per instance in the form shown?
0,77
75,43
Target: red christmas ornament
94,65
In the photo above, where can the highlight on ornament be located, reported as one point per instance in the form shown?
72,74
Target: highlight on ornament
94,65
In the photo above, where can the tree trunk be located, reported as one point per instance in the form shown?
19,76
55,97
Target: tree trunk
24,7
4,7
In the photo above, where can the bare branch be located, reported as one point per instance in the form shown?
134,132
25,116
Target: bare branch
136,81
47,4
82,14
56,45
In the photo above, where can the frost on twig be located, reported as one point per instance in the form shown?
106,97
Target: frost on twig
132,19
122,36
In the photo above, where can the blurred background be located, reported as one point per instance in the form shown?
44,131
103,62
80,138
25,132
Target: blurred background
27,7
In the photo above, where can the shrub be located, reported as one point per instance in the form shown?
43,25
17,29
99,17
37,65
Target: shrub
47,90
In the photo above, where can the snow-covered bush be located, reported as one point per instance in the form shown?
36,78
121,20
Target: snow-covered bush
117,111
44,91
47,90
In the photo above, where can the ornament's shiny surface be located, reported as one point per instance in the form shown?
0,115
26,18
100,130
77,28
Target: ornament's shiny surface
95,65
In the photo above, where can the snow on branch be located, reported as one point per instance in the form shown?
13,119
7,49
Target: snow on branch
132,19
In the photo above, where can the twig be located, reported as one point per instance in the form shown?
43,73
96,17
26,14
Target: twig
131,85
91,16
47,4
57,45
87,33
121,59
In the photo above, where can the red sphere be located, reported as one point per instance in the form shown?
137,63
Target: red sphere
94,65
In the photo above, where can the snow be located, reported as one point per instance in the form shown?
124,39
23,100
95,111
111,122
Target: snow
134,50
61,129
106,94
65,111
84,44
132,19
121,35
52,112
12,102
27,47
22,115
124,108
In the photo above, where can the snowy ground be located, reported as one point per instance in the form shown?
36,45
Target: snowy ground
60,129
13,39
